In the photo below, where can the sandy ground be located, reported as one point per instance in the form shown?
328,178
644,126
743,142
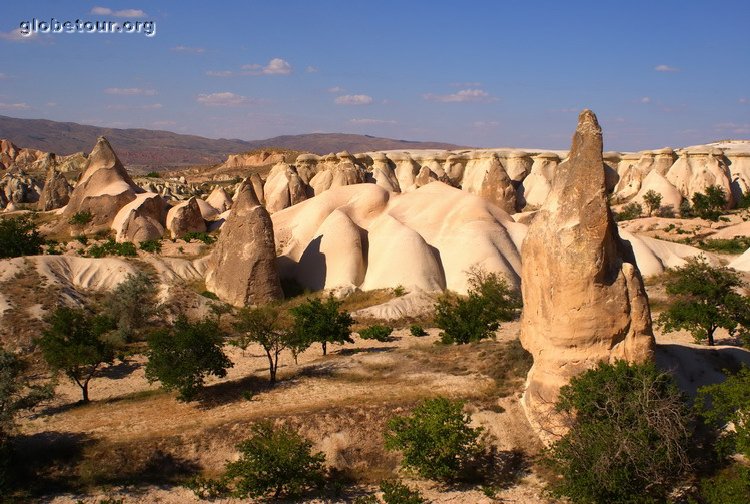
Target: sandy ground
126,410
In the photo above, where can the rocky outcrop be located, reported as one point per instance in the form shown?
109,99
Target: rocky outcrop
485,176
219,200
141,219
242,267
56,192
103,189
284,188
185,217
583,295
16,186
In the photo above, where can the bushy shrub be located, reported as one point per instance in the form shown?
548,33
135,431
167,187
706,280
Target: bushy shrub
711,204
199,236
111,247
131,305
153,174
81,218
19,236
396,492
436,440
478,315
729,402
275,460
417,330
730,486
377,332
629,212
629,435
736,245
153,246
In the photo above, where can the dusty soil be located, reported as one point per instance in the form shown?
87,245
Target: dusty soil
340,401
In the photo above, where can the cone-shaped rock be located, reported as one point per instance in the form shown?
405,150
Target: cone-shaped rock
103,189
583,295
185,217
242,267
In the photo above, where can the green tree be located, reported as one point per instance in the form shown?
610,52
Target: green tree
729,402
261,325
16,395
322,322
630,430
19,236
74,343
277,460
705,298
182,357
711,204
131,304
652,200
478,315
436,439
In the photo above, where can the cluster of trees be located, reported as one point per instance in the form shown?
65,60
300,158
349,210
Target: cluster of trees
79,342
710,204
436,441
633,438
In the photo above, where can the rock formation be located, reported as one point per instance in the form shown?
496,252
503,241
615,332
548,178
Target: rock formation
284,188
219,199
583,295
56,192
141,219
242,267
16,186
103,189
184,218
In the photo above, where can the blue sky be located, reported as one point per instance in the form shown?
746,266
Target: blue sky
483,73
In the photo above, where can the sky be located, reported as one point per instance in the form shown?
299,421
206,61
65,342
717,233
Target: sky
496,73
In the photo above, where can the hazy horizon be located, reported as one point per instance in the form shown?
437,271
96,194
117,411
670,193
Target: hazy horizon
489,74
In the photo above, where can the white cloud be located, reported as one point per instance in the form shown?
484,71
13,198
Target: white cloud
336,89
17,36
372,121
486,124
124,13
666,68
5,76
161,124
465,95
645,99
743,100
359,99
15,106
222,99
220,73
311,69
187,49
130,91
276,66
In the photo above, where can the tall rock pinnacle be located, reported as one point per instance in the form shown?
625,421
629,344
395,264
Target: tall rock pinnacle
242,267
583,295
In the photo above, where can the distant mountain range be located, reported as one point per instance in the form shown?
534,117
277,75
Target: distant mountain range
163,148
